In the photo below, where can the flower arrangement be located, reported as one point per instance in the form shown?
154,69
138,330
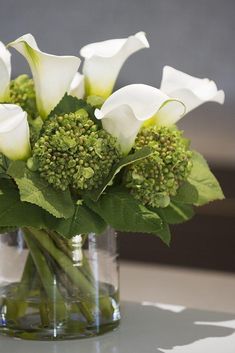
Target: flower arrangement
76,157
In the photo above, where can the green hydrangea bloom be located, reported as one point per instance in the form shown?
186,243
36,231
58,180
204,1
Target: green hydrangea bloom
154,179
22,93
73,151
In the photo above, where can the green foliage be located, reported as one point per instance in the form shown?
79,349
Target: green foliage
70,104
4,163
187,193
83,221
127,160
35,190
15,213
176,212
204,181
164,234
120,210
162,178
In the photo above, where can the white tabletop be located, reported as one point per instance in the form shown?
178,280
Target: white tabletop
148,328
194,288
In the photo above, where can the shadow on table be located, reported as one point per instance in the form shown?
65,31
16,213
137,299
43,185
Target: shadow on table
144,329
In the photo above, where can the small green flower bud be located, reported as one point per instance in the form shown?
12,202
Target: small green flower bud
22,93
95,101
32,164
73,151
154,179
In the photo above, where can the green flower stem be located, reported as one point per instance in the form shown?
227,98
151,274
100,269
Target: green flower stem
69,289
17,309
67,248
47,278
66,265
78,279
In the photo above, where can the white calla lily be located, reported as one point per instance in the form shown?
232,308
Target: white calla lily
14,132
126,110
192,91
5,72
52,74
77,86
103,61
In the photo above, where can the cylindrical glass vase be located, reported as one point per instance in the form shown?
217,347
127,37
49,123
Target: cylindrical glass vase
52,288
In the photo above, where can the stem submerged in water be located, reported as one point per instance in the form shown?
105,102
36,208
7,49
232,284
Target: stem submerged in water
62,281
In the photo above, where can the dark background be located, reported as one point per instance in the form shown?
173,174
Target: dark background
194,36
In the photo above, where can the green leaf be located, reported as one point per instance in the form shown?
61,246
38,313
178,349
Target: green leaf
37,191
176,212
15,213
84,220
165,233
204,181
120,210
131,158
3,166
187,193
69,104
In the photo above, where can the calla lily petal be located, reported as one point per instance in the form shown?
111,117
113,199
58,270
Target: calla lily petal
192,91
14,132
52,74
103,61
125,111
5,72
77,87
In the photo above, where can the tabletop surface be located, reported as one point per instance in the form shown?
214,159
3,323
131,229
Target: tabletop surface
148,328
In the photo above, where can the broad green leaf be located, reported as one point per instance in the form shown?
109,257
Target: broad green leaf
84,220
15,213
70,104
37,191
131,158
120,210
204,181
176,212
187,193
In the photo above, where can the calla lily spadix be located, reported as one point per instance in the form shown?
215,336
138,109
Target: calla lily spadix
77,86
14,132
103,61
125,111
192,91
5,72
52,74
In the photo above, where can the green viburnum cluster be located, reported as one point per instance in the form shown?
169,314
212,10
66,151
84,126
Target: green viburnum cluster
22,93
74,151
156,178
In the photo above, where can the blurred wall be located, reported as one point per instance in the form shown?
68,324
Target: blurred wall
196,36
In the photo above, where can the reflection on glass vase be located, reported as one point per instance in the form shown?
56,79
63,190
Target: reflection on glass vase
55,289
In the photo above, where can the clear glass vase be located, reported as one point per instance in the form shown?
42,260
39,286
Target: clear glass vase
56,289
